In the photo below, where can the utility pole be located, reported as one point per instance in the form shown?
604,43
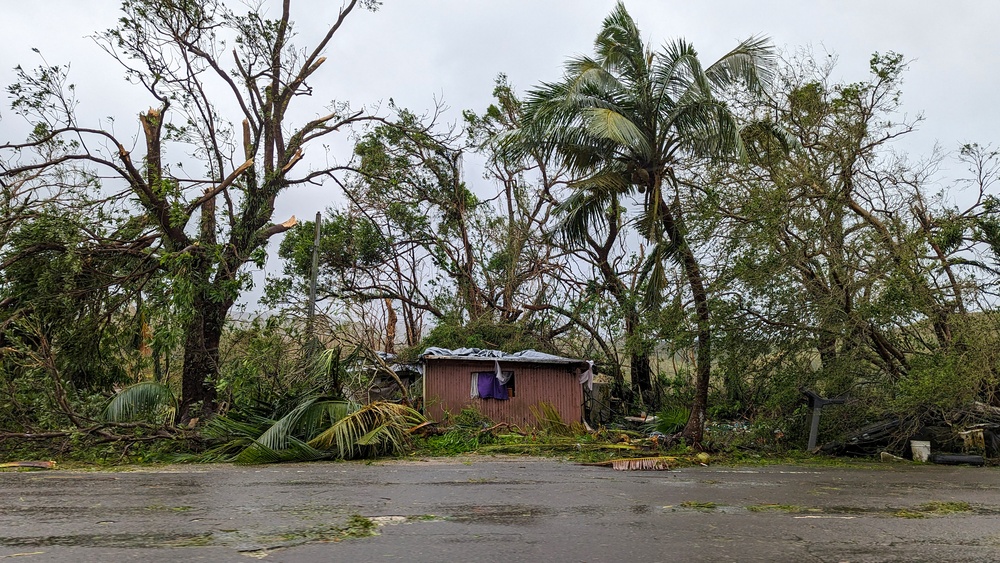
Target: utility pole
313,274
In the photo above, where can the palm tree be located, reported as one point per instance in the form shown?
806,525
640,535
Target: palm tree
624,120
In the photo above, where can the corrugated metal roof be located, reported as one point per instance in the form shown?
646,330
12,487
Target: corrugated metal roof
483,355
557,360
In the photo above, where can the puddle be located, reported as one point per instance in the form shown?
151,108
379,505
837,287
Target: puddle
109,540
485,481
394,520
354,527
517,514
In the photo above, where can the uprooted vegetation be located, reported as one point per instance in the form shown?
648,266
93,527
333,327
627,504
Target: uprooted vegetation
343,405
771,239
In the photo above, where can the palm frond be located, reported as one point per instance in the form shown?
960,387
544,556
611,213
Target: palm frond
228,437
143,399
619,44
678,73
608,124
707,128
294,450
588,75
374,429
586,210
285,439
277,435
751,63
654,273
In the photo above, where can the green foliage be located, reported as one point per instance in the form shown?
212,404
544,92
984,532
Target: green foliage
465,434
262,363
672,419
548,420
56,271
484,333
320,428
144,400
285,439
346,242
375,429
453,442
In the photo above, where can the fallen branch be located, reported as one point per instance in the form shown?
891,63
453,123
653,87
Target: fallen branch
34,464
33,435
494,427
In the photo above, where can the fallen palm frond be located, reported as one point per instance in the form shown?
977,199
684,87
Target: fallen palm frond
374,429
143,399
286,438
548,420
228,437
660,463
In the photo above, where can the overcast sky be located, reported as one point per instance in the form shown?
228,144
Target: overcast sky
416,51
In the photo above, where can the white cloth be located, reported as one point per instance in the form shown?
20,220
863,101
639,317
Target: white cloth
587,377
502,377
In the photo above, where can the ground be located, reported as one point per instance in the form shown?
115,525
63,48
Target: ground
501,509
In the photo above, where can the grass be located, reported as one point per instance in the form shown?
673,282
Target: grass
358,527
934,508
939,507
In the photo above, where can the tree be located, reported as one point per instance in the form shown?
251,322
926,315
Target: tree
415,237
201,228
842,271
626,119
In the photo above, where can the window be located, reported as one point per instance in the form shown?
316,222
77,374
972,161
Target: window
486,385
511,388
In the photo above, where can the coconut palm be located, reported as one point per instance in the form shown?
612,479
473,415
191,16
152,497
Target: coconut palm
625,120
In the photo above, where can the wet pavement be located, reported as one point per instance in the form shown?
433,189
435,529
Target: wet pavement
501,509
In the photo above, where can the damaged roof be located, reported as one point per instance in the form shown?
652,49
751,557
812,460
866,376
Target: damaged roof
481,354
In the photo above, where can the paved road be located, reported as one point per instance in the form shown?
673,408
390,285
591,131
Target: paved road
502,510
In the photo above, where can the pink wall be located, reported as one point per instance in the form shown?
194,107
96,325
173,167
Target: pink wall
447,384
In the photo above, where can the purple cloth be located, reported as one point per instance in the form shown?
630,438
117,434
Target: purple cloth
489,387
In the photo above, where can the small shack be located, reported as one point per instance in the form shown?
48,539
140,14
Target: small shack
504,387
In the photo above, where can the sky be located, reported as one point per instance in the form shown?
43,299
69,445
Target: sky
422,52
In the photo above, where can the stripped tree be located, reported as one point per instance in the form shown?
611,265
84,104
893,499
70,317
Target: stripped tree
222,86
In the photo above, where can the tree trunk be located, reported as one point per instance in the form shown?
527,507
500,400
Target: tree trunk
390,327
826,343
695,428
641,376
201,359
639,371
